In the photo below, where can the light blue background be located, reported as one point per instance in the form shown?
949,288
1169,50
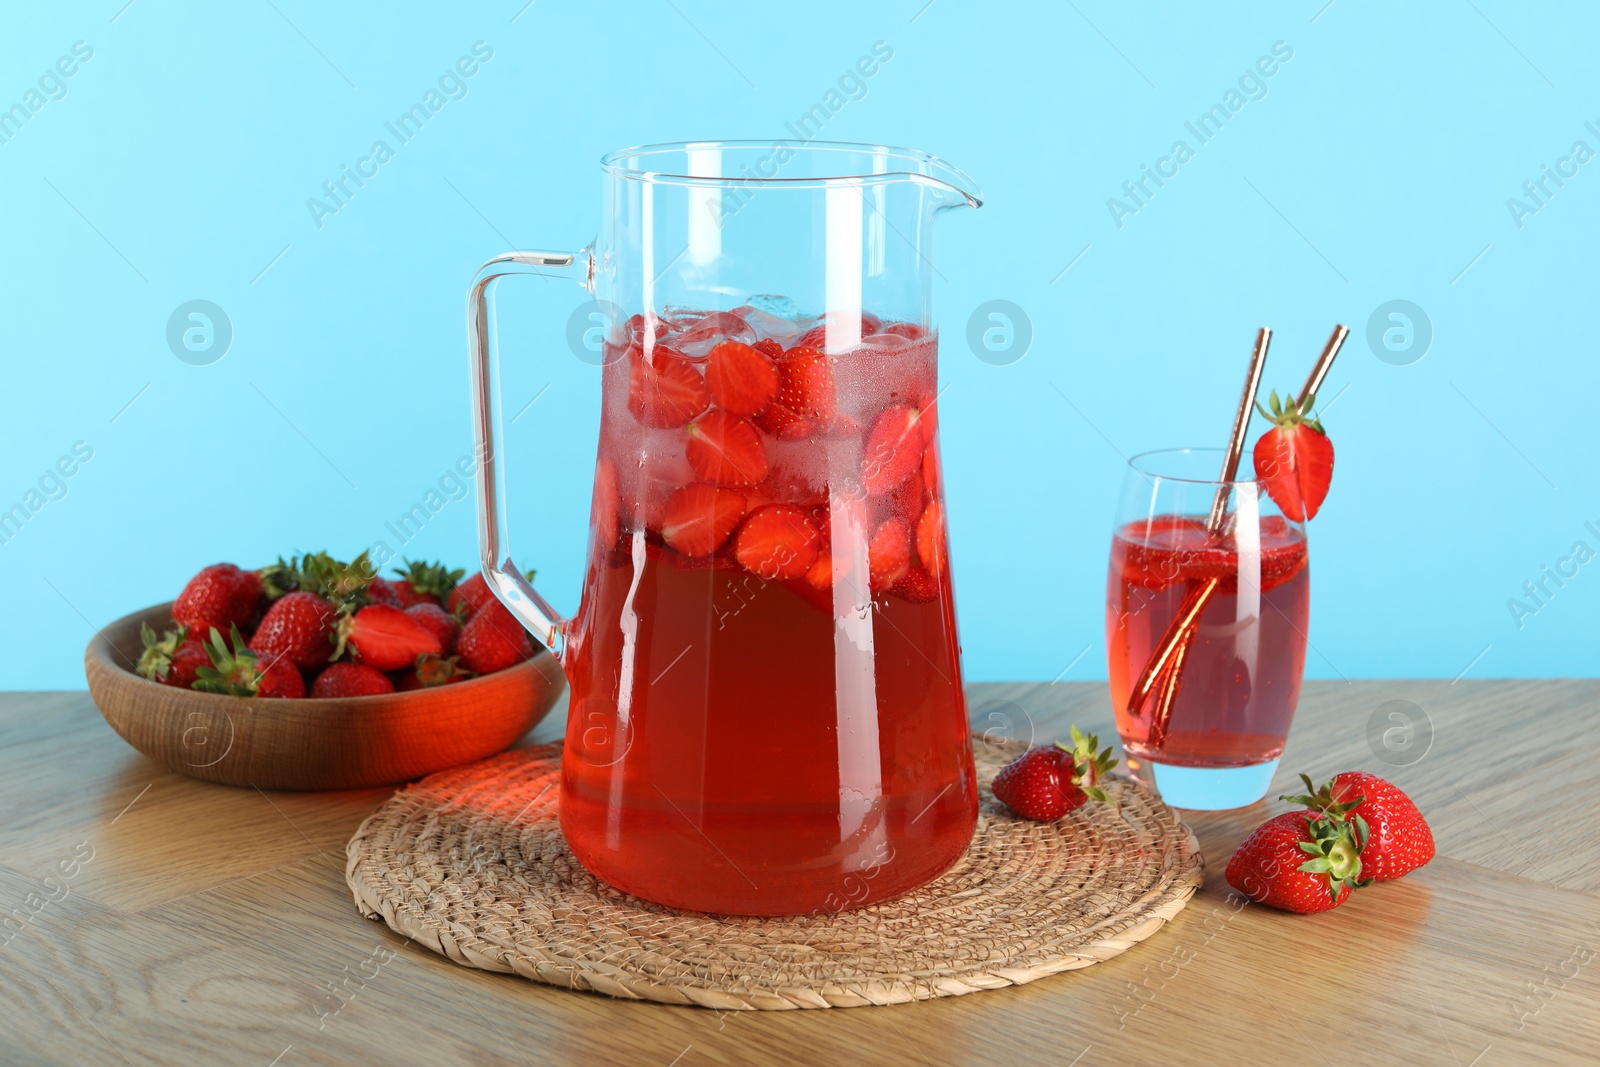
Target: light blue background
1377,167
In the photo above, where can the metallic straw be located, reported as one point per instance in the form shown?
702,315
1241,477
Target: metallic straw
1219,511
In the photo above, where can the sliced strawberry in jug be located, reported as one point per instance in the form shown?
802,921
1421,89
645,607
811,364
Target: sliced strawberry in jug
894,449
726,449
808,387
930,539
743,380
889,553
916,586
905,500
604,511
777,541
664,389
700,517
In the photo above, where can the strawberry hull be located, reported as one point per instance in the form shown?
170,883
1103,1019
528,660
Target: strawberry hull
768,720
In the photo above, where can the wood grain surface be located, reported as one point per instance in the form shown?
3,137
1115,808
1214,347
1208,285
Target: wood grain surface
147,918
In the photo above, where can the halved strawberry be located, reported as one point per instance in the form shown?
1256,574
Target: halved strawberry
777,541
928,419
386,638
1294,459
816,337
930,539
742,379
916,586
808,384
893,449
726,449
604,514
699,518
785,424
904,500
930,469
889,553
665,390
806,400
820,576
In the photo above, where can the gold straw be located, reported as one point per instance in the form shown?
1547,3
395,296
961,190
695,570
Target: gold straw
1196,600
1241,426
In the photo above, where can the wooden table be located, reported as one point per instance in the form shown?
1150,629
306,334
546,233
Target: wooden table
204,924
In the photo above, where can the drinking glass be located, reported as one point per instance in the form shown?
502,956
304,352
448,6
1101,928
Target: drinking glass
1229,597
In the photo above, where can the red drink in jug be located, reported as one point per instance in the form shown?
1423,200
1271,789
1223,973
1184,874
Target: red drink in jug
766,711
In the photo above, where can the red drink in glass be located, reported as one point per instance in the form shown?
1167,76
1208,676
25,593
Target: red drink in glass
1241,675
778,732
1238,671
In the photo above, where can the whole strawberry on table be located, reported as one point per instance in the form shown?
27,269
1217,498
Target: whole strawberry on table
1360,829
318,626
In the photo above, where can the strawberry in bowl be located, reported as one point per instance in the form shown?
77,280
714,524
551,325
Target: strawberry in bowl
317,673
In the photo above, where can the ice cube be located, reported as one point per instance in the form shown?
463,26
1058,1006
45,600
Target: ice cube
651,466
700,337
782,330
885,369
779,306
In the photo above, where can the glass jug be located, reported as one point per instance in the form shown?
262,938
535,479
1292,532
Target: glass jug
766,714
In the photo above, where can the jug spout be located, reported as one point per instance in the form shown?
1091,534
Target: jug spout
952,186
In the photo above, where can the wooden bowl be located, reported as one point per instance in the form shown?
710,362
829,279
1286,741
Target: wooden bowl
315,743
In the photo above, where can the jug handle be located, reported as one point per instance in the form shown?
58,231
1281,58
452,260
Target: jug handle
505,578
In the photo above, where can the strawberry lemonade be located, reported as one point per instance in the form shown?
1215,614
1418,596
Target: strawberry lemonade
1240,677
766,713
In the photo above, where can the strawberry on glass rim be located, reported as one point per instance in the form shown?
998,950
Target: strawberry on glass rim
1294,459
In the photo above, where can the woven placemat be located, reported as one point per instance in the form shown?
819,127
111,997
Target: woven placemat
471,863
